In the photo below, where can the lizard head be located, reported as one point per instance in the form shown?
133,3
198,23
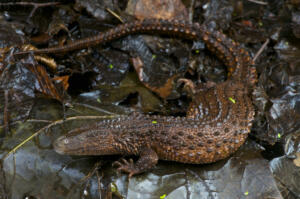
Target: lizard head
86,141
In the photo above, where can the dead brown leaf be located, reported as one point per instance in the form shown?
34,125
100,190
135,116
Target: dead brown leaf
45,86
162,9
164,90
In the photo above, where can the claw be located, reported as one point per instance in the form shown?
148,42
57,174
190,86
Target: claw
126,167
189,86
116,163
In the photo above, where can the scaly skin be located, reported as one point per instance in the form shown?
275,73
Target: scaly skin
217,123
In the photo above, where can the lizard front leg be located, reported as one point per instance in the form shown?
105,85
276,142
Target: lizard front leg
148,159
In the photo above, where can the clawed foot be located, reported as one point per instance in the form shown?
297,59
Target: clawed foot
126,167
189,86
192,89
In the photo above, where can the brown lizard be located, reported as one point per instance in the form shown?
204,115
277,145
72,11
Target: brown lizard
218,119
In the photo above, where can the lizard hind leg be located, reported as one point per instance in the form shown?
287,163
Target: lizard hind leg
191,88
148,159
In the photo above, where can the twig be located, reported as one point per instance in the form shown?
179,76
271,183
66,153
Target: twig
39,121
99,183
86,177
29,4
115,14
6,113
34,4
94,108
91,173
191,10
261,49
258,2
30,120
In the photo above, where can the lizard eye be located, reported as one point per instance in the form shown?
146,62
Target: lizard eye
66,141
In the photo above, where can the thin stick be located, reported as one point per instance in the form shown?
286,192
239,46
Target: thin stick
34,4
191,10
6,113
29,4
99,183
86,177
258,2
261,49
115,15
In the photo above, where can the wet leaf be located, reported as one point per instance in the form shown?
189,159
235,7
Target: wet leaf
64,80
173,9
45,86
130,85
241,174
297,160
97,8
164,89
284,170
